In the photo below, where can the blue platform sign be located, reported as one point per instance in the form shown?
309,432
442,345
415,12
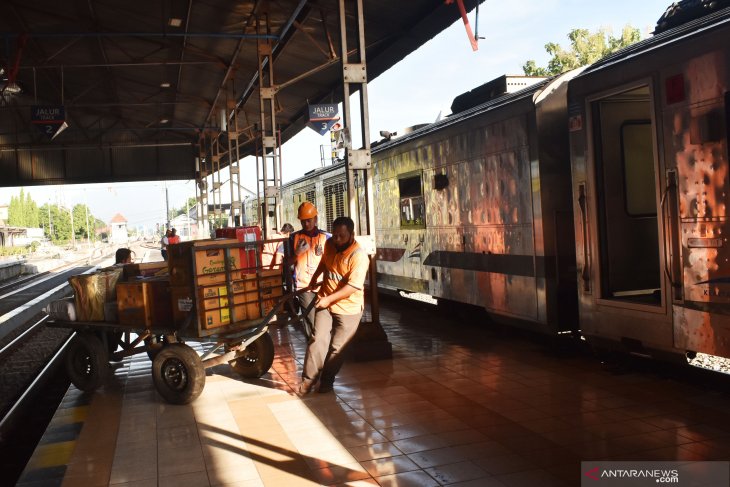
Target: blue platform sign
50,119
322,117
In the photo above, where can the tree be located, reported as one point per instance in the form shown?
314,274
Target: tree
59,226
23,211
585,48
191,202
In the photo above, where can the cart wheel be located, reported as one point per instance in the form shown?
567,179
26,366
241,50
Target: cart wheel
178,373
154,344
256,360
87,361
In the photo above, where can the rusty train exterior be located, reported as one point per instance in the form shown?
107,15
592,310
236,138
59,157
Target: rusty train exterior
594,202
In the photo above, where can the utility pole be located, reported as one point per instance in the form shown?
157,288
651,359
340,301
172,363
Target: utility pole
73,233
50,223
187,213
167,207
88,233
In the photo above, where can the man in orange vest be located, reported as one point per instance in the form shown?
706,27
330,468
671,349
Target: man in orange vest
307,246
174,238
340,303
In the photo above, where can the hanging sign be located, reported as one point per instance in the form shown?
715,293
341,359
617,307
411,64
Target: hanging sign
50,119
322,117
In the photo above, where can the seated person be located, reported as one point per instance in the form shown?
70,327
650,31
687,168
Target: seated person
123,256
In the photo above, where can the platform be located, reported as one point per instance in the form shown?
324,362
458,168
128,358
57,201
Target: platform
457,405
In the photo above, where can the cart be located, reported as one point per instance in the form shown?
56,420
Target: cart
178,371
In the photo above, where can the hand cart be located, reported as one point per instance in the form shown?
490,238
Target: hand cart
178,371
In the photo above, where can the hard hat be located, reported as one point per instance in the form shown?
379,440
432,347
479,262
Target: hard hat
306,211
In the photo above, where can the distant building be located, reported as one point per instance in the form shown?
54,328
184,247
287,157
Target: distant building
186,226
118,225
3,215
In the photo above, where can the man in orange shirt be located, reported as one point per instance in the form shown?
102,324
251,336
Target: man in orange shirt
307,247
339,306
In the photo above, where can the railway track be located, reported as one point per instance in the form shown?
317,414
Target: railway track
32,378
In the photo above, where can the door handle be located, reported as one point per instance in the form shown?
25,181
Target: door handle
668,203
585,273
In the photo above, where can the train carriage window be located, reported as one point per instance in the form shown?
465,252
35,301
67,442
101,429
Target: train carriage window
412,207
334,201
310,196
637,157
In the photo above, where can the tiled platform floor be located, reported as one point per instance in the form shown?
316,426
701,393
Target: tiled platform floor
457,405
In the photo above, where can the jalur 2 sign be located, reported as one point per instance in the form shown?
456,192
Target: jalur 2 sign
322,117
50,119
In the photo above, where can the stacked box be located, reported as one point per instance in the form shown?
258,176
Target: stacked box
210,262
145,303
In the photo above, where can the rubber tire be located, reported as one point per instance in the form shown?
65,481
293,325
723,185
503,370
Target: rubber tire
178,373
256,360
86,361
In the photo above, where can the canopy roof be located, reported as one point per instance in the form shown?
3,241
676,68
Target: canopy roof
141,81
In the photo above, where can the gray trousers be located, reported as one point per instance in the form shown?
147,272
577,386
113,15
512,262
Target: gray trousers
307,321
332,334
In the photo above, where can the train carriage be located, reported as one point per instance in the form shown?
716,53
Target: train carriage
648,135
474,208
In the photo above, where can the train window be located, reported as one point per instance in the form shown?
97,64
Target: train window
334,202
637,157
412,208
310,197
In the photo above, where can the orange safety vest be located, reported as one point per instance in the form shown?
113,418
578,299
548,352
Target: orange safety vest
308,261
173,240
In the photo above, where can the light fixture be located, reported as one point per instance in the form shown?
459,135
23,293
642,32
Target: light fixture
174,22
6,86
164,120
165,85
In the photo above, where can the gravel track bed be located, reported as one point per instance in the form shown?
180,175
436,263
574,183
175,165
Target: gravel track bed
21,366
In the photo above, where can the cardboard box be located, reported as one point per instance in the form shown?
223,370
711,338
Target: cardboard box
210,262
145,303
214,304
183,304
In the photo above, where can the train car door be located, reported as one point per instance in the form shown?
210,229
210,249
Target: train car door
625,294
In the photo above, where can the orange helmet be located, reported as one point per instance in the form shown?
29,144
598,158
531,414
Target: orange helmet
306,211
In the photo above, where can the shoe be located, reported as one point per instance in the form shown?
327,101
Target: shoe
324,388
305,387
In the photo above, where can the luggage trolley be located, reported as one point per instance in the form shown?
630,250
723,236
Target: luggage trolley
228,303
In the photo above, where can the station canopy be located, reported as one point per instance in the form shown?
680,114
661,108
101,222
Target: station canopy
103,91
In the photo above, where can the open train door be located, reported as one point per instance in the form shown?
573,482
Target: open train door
651,182
623,217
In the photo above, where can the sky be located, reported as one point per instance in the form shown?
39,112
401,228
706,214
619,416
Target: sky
414,91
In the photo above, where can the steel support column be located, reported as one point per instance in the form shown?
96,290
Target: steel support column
371,341
202,180
269,160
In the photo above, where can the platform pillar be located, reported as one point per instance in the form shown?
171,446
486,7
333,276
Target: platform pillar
371,342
